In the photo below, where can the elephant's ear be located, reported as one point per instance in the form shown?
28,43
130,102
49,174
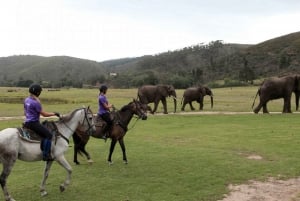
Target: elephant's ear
202,90
164,90
208,91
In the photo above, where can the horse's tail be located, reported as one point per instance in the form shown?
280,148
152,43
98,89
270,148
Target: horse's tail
258,91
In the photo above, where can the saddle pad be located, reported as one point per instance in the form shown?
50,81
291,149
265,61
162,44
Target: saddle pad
28,134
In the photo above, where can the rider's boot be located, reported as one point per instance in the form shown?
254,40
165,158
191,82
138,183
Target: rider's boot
106,133
47,150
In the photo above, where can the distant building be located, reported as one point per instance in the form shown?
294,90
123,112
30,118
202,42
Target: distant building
113,74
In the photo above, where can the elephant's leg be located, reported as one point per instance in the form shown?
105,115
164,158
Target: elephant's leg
260,105
200,101
265,109
164,102
256,110
287,105
183,106
201,105
150,109
155,106
191,106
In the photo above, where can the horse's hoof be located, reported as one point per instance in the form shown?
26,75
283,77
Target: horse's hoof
110,162
44,193
90,161
9,198
125,162
62,188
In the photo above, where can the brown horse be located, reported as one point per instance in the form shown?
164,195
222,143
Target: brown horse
121,120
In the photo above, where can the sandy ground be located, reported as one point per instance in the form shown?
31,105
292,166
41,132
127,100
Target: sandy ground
270,190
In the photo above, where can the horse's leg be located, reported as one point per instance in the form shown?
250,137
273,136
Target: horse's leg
122,144
111,150
81,150
45,176
64,163
7,167
75,155
87,155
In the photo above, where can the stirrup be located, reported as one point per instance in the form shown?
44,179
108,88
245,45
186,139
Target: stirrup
48,158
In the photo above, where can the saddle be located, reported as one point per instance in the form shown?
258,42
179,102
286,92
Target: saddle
30,135
99,122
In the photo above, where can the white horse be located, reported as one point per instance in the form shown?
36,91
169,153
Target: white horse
13,147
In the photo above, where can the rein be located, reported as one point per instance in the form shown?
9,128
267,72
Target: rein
119,118
85,118
137,118
61,135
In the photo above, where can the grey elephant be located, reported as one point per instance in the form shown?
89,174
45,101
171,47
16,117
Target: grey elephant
278,87
156,93
196,94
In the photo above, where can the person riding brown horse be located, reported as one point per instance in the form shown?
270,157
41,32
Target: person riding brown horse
121,119
104,111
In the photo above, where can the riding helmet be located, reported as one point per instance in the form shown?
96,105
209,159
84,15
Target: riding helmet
103,88
35,89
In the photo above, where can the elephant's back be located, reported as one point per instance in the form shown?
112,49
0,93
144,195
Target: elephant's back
147,93
190,90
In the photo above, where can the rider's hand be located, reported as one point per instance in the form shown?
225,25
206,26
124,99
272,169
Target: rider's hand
57,114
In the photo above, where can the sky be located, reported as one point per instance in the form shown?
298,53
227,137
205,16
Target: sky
102,30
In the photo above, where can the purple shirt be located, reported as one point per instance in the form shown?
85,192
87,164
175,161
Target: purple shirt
32,109
102,100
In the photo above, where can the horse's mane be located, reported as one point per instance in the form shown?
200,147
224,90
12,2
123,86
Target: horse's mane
125,107
69,116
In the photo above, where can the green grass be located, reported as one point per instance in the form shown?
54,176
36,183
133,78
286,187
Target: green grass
172,157
237,99
185,158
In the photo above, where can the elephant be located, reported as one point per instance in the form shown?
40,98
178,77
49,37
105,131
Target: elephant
278,87
155,93
196,94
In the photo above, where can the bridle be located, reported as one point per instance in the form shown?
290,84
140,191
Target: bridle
137,114
86,118
141,114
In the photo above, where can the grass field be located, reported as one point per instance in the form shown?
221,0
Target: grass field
171,157
237,99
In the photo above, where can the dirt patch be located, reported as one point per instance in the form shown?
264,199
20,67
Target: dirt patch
271,190
255,157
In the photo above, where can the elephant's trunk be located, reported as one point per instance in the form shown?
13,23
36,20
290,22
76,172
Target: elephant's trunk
211,101
175,103
297,94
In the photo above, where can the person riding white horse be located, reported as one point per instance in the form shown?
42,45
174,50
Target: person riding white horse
32,111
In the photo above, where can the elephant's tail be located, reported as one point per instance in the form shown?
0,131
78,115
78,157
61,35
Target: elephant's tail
255,97
181,100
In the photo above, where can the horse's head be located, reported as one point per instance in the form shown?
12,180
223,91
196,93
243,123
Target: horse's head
139,109
87,125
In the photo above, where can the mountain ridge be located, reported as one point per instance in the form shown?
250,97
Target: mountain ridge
197,64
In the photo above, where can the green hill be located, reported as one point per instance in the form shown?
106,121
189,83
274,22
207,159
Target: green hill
201,63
